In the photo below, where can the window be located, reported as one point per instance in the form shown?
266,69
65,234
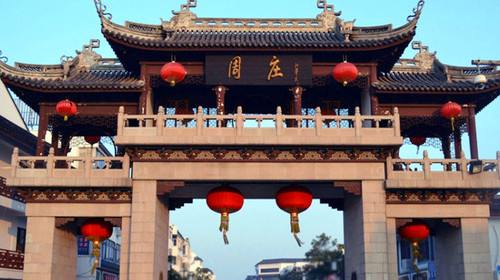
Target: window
269,270
174,239
21,239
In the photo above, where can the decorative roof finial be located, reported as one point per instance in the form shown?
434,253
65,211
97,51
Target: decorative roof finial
101,10
4,59
417,45
416,11
93,44
187,7
323,4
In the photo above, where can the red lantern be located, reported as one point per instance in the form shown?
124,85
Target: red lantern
451,110
345,73
415,232
92,140
225,200
418,141
96,230
173,73
66,108
294,200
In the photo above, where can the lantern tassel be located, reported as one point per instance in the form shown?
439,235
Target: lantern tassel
452,124
66,118
294,223
96,252
224,226
416,256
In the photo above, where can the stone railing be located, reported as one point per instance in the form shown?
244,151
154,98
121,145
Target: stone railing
243,129
443,173
61,171
11,259
9,192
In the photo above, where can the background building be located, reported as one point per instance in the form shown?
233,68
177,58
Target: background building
271,269
182,258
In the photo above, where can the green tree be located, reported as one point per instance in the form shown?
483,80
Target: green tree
324,251
294,274
174,275
203,274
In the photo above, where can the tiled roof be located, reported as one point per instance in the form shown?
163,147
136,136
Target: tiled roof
50,77
87,71
436,80
326,31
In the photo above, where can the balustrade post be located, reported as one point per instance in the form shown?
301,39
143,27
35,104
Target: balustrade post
88,165
240,122
160,121
14,162
279,121
318,121
199,121
50,163
427,165
121,121
463,164
357,122
389,167
126,165
498,164
396,123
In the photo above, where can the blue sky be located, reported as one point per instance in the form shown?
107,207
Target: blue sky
41,31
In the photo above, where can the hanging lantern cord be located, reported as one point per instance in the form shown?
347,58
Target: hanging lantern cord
224,226
416,256
294,223
96,252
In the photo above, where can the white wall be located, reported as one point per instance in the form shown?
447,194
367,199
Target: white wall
9,109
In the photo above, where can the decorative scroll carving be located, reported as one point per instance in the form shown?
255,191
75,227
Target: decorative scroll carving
77,195
4,59
257,154
417,11
101,10
404,196
11,260
402,222
335,203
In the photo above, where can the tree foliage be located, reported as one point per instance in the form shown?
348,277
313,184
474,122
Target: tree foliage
324,251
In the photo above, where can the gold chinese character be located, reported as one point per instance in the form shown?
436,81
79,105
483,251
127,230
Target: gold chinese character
275,71
234,68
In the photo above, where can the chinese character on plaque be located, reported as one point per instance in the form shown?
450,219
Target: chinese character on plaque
275,70
234,68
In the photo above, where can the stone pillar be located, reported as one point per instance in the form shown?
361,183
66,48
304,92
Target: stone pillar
50,252
148,233
471,126
42,130
125,249
476,249
392,254
365,233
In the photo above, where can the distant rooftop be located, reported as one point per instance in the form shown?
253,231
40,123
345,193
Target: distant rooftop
284,260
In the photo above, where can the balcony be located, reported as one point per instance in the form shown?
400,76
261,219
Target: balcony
243,129
429,173
58,171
